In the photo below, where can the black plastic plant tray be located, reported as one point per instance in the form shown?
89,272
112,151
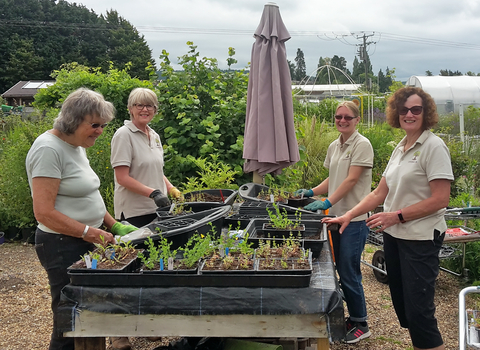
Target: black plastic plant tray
286,271
184,280
228,195
201,222
250,192
132,266
220,273
257,207
311,238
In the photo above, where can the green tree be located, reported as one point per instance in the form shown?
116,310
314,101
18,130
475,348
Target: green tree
428,73
300,67
126,45
38,36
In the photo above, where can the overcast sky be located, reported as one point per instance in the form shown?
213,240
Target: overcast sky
412,36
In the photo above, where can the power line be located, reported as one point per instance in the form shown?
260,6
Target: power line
324,35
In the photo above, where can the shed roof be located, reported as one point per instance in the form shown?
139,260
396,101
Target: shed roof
27,88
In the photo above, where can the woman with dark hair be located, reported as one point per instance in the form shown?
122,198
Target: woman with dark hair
66,201
349,161
415,190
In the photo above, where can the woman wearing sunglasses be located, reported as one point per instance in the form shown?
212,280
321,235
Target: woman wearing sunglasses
349,161
67,204
415,189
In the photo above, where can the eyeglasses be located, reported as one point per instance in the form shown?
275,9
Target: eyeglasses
416,110
98,125
139,107
347,118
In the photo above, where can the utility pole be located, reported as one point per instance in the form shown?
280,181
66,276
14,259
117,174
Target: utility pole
362,53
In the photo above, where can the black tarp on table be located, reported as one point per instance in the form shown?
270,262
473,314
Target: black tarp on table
322,297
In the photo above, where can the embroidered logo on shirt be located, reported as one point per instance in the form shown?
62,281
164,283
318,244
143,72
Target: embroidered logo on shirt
347,155
415,156
157,141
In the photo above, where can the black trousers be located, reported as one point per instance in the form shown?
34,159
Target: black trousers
56,253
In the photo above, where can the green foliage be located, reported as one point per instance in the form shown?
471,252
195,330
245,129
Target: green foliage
38,36
115,86
16,206
213,175
279,219
202,111
99,157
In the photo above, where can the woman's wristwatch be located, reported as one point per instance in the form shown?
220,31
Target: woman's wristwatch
400,216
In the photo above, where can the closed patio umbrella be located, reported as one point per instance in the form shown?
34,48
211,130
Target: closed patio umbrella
270,143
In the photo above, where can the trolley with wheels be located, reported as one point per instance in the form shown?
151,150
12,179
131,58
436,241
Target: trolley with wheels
454,244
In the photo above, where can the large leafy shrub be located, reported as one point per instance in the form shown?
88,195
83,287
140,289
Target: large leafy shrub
115,86
202,112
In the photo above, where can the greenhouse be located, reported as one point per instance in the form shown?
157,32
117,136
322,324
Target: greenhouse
450,92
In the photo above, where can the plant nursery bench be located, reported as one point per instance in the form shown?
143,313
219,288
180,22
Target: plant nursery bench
90,313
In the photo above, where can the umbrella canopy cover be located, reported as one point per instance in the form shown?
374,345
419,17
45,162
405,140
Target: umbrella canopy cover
270,143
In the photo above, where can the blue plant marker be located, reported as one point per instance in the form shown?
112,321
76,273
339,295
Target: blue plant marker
110,254
94,264
226,251
161,264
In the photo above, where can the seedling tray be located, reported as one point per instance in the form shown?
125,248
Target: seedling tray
311,238
183,280
180,229
228,195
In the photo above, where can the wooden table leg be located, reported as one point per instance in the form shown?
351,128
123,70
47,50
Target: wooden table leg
323,344
97,343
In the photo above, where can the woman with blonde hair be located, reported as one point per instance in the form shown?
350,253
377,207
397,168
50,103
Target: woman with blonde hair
349,161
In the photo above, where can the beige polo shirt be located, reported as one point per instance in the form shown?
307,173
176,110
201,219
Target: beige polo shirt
131,147
356,151
408,174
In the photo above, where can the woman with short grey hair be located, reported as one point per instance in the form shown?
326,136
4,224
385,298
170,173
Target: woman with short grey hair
67,204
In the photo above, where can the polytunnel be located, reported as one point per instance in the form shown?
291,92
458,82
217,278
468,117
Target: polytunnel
449,92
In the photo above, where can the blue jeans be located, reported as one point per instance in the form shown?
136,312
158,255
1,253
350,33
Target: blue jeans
56,253
348,248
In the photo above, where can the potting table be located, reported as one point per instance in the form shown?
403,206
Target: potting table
91,313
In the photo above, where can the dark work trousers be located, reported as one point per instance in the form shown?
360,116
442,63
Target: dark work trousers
56,253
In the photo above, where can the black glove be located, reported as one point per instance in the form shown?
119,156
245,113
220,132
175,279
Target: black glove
160,199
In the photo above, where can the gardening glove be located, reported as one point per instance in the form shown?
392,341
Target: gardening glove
120,229
318,205
306,193
160,199
175,193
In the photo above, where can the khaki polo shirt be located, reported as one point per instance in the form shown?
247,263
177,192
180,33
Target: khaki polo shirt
131,147
356,151
408,174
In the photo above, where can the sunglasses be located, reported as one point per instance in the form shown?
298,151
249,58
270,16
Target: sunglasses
416,110
98,125
139,107
347,118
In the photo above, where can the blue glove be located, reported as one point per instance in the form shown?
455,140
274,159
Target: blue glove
306,193
318,205
120,229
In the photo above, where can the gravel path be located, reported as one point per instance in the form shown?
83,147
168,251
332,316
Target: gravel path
25,316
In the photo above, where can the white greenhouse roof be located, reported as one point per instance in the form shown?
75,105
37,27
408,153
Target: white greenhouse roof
449,91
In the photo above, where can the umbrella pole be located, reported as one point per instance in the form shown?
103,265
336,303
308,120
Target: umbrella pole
258,179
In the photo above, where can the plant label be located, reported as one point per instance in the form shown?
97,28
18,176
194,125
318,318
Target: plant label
94,264
272,198
170,263
110,253
88,262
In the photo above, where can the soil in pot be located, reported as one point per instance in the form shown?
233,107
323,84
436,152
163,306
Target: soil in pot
106,261
178,267
284,264
204,197
229,263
